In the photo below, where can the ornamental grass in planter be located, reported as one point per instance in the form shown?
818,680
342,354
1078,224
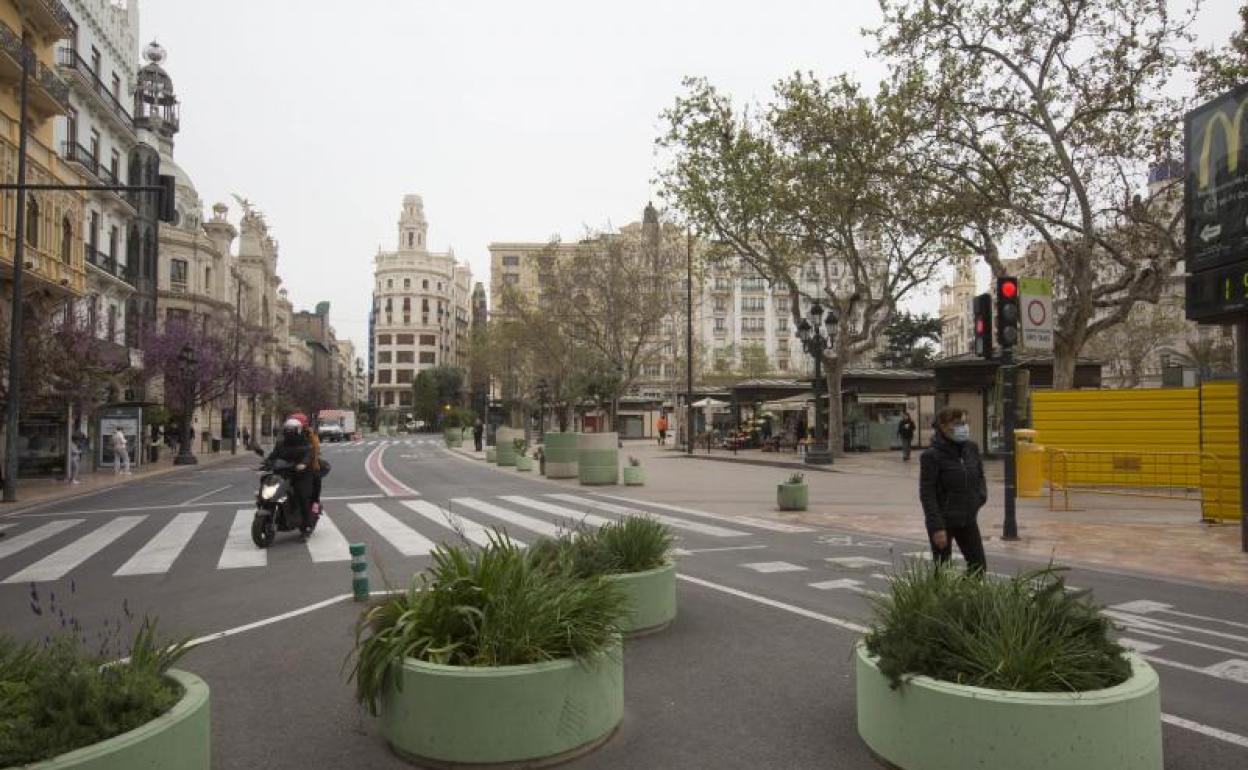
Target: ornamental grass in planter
793,495
634,475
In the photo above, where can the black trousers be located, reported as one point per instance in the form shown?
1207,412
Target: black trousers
969,543
906,441
476,441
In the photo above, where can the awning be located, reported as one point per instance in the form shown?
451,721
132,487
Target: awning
709,402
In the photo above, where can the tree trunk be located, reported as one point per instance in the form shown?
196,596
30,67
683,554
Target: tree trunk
1065,355
834,370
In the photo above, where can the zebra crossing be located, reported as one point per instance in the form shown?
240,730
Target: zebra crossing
369,444
134,544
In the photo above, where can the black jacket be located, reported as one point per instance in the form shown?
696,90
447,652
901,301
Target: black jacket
905,428
292,450
952,487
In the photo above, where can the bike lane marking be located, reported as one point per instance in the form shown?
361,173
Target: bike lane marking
387,483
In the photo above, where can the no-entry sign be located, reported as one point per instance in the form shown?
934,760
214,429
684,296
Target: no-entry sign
1037,301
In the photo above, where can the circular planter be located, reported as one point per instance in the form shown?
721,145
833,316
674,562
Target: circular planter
538,714
506,449
524,463
651,599
634,476
454,437
932,725
179,739
491,454
598,458
560,449
792,497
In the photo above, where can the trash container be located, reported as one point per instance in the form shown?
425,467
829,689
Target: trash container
153,453
216,445
1028,463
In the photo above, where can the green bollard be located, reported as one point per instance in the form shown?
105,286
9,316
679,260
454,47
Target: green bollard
359,572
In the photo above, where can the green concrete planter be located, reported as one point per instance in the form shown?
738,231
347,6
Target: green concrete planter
560,449
524,463
536,714
933,725
634,476
598,458
507,450
491,454
651,599
454,437
792,497
180,739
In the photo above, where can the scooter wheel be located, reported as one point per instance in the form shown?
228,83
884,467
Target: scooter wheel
261,535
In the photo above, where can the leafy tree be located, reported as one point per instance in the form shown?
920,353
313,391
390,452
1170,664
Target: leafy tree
1042,119
299,390
910,339
1209,356
1220,70
1127,349
435,389
754,361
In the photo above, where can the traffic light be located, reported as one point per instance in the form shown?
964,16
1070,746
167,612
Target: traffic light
1008,312
982,311
166,198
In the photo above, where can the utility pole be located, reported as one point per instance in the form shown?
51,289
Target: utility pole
12,407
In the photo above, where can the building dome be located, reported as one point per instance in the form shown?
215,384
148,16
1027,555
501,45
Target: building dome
155,103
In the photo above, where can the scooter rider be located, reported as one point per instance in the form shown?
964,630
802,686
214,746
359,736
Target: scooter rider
295,449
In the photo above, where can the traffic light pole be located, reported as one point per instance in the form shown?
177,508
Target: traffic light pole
1009,530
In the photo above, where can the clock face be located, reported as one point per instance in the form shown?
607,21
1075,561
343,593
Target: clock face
1218,295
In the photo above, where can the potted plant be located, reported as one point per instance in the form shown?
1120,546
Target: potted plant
1017,673
598,458
523,461
634,476
66,705
505,444
478,661
634,553
560,453
793,494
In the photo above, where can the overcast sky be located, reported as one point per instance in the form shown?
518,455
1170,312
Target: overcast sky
513,120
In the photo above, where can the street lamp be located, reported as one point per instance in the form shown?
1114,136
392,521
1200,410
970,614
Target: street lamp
817,333
186,366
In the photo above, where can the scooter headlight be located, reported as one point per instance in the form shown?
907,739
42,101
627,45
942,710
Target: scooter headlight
268,491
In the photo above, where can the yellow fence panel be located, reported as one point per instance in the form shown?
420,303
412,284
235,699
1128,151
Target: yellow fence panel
1219,427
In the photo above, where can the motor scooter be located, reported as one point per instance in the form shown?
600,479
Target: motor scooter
276,509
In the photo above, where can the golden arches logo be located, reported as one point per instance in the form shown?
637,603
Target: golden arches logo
1230,130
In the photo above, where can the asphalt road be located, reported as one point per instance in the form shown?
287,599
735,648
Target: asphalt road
755,673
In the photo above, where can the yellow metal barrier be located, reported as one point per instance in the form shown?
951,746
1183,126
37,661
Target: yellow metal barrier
1195,476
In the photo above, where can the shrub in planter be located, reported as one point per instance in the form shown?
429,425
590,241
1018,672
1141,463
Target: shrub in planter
1009,666
473,663
634,476
793,494
491,454
523,461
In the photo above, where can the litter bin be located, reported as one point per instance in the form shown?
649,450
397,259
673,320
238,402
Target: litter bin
153,453
1029,463
216,445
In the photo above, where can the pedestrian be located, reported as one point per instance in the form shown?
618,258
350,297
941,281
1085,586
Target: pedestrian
478,432
661,425
121,455
75,457
952,489
905,431
246,438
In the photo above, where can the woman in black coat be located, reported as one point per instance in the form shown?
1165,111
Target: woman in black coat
952,489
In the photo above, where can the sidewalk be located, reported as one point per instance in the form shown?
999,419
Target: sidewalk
877,493
32,492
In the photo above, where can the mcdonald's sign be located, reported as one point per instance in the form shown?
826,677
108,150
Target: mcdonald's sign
1216,183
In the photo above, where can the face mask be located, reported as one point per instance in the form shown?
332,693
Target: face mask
961,433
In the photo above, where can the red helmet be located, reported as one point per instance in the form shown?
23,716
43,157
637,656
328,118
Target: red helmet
301,417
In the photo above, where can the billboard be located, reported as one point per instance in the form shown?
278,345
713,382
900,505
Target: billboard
1216,182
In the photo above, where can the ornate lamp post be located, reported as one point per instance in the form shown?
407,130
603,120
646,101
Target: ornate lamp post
186,365
817,333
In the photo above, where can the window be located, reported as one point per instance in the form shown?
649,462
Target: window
439,286
389,283
405,398
428,339
383,339
207,279
389,397
753,284
407,304
721,325
94,148
93,238
424,305
95,61
71,127
722,283
383,357
112,323
754,304
114,165
782,325
782,364
511,260
176,316
67,239
424,284
177,271
652,370
405,357
116,87
753,324
404,376
383,377
406,339
93,314
32,222
721,305
428,357
411,239
511,279
113,235
407,283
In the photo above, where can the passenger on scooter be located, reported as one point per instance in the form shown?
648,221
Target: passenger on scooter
319,468
293,448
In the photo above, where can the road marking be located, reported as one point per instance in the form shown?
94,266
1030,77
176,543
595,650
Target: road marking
471,530
774,526
174,507
570,514
239,550
1235,670
55,565
406,540
1138,645
326,542
162,550
1146,606
767,567
1212,671
1212,732
671,521
197,498
539,526
387,483
856,562
1170,624
684,552
845,584
36,535
845,624
6,526
1181,640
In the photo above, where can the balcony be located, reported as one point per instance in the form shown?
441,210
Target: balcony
50,17
108,264
89,81
49,94
76,153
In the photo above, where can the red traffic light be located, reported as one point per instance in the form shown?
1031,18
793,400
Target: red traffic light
979,326
1009,289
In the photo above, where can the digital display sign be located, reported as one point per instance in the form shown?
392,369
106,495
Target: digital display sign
1216,182
1219,295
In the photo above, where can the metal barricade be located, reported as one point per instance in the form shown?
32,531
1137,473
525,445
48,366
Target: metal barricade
1190,476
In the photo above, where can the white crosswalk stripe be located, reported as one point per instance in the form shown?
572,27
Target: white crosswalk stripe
326,542
8,547
540,526
162,550
671,521
572,515
406,540
239,550
53,566
472,531
774,526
